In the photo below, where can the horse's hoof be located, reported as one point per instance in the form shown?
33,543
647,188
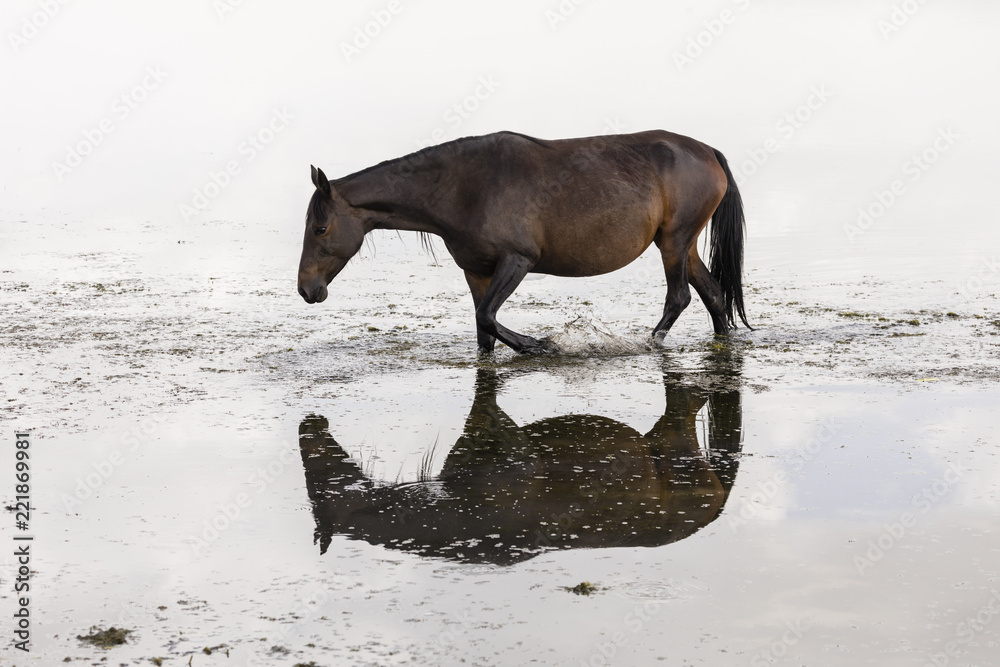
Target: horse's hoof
549,346
540,347
659,339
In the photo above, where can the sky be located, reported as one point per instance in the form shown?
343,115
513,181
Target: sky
197,110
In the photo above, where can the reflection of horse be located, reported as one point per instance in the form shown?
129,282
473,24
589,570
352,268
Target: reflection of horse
507,493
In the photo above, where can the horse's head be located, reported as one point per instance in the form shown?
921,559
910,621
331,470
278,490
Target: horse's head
334,234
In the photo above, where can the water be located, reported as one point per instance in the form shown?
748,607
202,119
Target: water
348,483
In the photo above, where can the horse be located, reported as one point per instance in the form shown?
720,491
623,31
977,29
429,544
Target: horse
507,493
506,204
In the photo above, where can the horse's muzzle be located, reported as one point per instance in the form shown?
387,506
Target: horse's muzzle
315,295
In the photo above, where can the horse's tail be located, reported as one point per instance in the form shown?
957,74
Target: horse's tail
726,249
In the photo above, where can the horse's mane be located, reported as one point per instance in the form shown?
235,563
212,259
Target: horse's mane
430,151
316,205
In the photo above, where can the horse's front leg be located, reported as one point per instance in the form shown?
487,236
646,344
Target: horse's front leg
509,273
478,287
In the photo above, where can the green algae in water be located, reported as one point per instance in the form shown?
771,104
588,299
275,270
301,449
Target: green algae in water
105,638
583,588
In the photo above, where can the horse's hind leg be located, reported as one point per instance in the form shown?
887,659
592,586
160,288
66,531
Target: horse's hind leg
678,293
478,287
709,290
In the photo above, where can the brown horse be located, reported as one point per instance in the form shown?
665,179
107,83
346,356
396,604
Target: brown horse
506,205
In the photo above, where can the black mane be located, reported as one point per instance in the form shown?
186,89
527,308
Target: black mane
419,157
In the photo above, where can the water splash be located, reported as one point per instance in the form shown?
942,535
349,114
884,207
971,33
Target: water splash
585,337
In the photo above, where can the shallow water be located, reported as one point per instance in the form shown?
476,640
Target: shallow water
347,484
220,466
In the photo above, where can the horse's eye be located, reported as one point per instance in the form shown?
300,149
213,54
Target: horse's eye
320,230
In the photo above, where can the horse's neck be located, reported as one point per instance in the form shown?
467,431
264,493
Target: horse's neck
403,194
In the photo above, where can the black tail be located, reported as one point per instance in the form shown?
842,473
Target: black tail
726,250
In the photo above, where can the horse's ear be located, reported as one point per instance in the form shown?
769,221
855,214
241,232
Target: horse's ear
321,182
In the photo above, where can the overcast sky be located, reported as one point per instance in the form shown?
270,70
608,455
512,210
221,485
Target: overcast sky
162,97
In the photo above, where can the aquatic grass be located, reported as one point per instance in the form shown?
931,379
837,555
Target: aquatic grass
105,639
427,461
582,588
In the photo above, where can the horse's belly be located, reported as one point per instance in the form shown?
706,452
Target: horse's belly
593,250
580,269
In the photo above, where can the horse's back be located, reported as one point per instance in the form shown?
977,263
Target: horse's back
578,207
592,205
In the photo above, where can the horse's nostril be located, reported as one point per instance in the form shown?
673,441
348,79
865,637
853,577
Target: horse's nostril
302,293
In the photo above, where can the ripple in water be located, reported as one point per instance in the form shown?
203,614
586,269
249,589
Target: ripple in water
658,590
